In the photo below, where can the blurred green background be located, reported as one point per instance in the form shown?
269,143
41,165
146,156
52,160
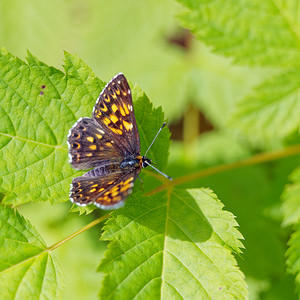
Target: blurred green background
198,92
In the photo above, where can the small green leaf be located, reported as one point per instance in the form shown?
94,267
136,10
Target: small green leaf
291,200
27,269
173,245
273,108
293,257
245,29
149,120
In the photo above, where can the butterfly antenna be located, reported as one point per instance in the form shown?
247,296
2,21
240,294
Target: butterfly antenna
163,125
165,175
170,178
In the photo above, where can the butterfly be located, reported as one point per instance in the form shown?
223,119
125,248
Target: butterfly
109,143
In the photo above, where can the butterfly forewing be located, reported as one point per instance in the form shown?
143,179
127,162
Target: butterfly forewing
114,111
91,146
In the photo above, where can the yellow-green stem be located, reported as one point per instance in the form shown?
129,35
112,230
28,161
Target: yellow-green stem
253,160
86,227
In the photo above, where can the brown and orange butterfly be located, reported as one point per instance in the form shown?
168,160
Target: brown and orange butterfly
109,142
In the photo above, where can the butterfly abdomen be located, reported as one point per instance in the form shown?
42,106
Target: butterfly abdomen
102,170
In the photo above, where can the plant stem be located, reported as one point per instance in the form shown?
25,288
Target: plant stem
86,227
256,159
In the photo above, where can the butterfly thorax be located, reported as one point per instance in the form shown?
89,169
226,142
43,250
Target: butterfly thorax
135,162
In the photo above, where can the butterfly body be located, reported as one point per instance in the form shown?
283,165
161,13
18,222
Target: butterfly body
108,142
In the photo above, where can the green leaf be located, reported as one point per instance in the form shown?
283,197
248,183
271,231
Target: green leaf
293,257
245,29
38,105
291,216
273,108
149,120
27,269
174,245
291,200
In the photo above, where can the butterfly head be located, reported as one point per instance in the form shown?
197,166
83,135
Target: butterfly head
146,161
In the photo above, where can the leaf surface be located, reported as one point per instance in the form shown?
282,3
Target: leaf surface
27,269
175,245
245,29
273,108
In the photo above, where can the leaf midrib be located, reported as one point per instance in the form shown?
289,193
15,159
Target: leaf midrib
165,238
34,142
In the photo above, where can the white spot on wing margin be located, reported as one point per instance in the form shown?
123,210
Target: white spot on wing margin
69,135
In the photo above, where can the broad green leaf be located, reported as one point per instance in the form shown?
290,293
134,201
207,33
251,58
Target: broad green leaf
27,269
38,106
173,245
291,200
252,32
78,257
273,108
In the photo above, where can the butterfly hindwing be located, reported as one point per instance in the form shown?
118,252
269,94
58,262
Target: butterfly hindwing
105,188
90,146
114,111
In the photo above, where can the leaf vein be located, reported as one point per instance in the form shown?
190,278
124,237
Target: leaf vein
136,218
34,142
202,252
130,273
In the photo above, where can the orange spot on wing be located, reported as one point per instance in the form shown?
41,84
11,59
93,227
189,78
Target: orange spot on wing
126,109
127,125
114,118
117,131
106,121
122,111
90,139
117,199
104,108
114,107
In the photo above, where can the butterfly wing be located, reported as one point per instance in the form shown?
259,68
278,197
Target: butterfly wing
103,187
103,142
91,146
114,111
